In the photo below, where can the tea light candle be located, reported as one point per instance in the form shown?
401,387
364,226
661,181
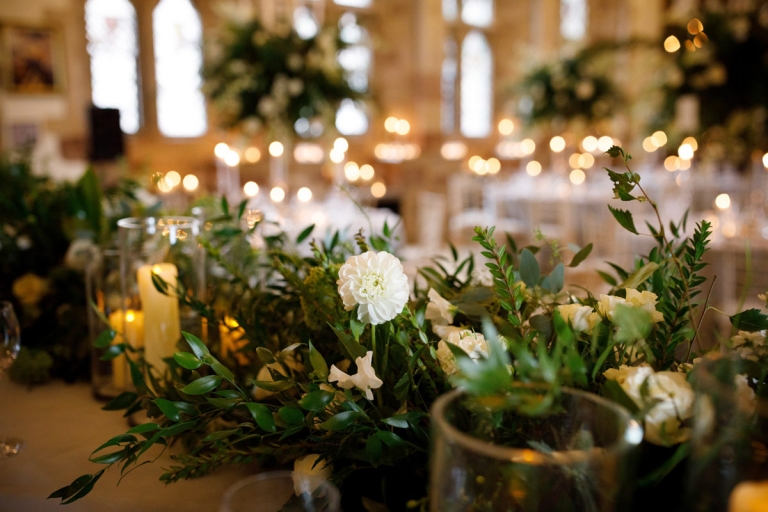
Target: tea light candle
133,323
749,497
232,339
162,328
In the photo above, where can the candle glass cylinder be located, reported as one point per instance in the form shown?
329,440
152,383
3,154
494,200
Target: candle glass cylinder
490,454
728,467
102,288
162,268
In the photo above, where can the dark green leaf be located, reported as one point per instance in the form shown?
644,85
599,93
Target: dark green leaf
262,415
624,218
105,338
197,345
305,234
113,351
109,458
581,256
202,385
121,401
222,370
143,428
316,400
168,409
340,421
291,415
272,385
751,320
390,438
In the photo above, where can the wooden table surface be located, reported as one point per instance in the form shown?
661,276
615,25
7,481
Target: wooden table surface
61,425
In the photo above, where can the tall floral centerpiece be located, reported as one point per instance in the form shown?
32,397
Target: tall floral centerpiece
336,369
259,77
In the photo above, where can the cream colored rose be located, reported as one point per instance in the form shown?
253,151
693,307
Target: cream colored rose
439,311
472,343
644,300
582,318
607,305
673,397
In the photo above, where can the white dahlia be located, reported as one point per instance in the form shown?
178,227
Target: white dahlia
376,283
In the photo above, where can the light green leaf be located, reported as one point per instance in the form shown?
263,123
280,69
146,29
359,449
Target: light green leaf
197,345
187,360
319,365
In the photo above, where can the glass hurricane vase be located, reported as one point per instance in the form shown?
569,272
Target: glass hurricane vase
728,467
161,262
487,455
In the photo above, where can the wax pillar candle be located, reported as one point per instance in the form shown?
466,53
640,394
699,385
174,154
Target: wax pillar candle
162,328
130,329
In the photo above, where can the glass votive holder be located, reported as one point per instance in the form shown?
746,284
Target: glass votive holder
162,268
278,491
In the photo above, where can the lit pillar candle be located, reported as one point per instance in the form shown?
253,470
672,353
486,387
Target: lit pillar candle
162,328
277,174
749,497
133,327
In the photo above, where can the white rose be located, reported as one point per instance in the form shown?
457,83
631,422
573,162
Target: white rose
439,311
580,317
472,343
365,379
443,331
308,474
673,397
374,282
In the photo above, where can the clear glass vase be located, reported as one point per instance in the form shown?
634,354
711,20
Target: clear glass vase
161,261
487,455
728,467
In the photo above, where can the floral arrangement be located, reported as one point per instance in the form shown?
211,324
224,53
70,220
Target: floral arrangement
341,357
273,78
721,65
572,89
48,232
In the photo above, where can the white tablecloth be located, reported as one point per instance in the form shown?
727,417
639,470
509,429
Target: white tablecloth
61,425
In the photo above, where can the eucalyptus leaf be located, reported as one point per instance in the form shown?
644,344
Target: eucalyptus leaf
529,268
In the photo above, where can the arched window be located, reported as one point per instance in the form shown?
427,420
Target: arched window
476,85
478,13
178,35
573,19
448,73
355,59
113,48
450,10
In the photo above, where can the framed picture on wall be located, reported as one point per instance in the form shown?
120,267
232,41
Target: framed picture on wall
33,59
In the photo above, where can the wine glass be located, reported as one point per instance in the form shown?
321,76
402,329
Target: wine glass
10,342
281,491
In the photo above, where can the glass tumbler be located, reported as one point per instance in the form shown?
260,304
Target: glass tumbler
488,455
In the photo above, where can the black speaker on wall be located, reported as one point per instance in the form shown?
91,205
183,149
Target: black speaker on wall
106,136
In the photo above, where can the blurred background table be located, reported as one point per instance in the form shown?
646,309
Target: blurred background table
61,424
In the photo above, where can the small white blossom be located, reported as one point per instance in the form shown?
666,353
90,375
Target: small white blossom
749,345
439,311
374,282
308,474
673,397
582,318
472,343
365,379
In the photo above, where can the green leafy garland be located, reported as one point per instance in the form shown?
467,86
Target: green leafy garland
291,392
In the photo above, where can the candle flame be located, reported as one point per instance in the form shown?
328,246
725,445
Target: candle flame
156,269
130,316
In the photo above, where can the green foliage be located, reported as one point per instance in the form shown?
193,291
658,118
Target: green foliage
31,367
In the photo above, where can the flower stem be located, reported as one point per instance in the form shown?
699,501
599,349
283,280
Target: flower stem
379,398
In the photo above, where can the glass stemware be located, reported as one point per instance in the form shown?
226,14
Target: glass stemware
281,491
10,342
